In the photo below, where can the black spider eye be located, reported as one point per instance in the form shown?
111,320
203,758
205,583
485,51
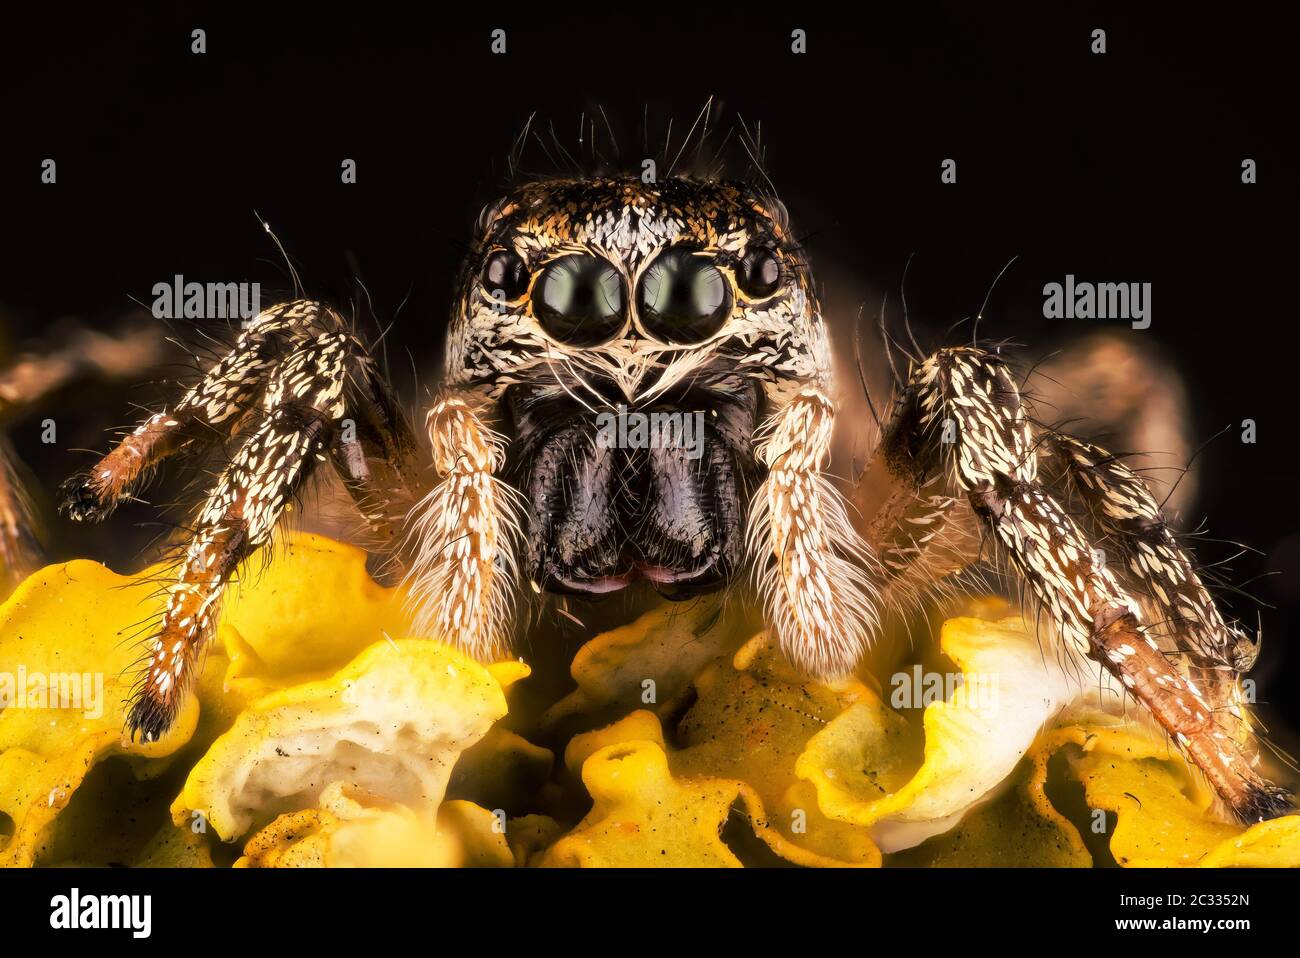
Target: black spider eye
579,300
759,273
682,297
505,277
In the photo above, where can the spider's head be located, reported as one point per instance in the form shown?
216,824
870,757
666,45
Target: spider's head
631,334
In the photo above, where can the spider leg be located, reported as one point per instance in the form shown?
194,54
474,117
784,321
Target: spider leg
209,411
304,369
960,416
464,533
923,536
817,577
376,453
302,406
1162,576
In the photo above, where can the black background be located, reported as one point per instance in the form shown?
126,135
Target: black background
1124,166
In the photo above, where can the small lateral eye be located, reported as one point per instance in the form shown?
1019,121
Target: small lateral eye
759,273
505,277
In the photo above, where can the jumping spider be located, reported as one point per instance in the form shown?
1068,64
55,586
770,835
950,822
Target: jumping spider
688,294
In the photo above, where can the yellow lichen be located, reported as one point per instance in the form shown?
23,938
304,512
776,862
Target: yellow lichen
751,721
320,734
973,739
1164,813
301,610
393,721
68,659
649,662
351,829
642,816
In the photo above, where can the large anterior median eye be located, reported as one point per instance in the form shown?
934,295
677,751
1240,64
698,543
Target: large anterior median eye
682,297
579,300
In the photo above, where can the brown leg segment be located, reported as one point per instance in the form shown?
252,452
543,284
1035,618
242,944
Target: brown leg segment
1180,708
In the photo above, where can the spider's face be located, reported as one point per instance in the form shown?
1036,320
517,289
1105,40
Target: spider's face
630,332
